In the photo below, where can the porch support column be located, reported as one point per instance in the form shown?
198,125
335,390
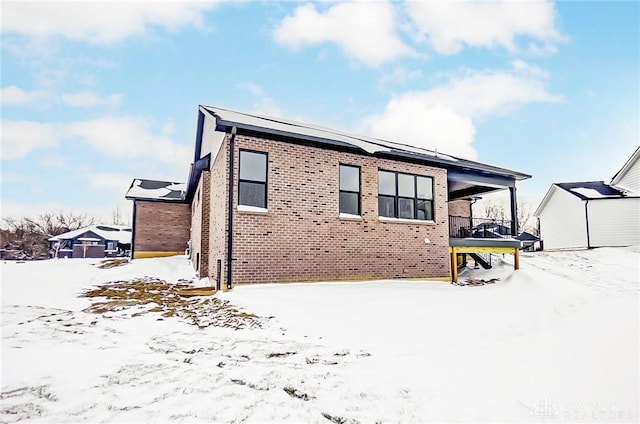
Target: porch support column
514,211
454,265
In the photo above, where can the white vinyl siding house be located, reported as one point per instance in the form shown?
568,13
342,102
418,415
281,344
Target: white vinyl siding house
614,222
562,221
593,213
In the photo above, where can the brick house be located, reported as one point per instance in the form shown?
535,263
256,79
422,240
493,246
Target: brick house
285,201
161,218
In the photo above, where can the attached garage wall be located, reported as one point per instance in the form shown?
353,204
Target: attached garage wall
562,221
160,228
614,222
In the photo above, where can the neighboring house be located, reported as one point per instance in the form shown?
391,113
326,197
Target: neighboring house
95,241
168,233
595,213
530,242
492,229
271,200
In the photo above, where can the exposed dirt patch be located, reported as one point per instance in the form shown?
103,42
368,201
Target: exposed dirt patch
149,295
112,263
475,282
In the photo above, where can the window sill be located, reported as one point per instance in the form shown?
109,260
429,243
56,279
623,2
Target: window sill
350,217
252,209
405,221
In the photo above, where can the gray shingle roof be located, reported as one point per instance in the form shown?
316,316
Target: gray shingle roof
587,190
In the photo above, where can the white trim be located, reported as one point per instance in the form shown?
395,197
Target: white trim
350,216
254,209
545,199
628,164
405,220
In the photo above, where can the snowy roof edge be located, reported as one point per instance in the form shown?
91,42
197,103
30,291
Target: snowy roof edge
567,187
171,191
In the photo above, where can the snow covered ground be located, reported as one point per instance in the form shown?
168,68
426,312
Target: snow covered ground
557,341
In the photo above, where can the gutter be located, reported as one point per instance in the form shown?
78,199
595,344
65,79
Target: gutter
133,230
230,208
586,217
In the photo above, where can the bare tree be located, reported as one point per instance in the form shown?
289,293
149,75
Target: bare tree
116,217
30,235
499,212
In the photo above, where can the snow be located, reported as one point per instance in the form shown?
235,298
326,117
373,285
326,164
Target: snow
349,216
256,209
592,193
556,341
170,192
120,233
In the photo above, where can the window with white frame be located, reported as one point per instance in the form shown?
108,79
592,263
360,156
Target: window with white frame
252,182
405,196
350,189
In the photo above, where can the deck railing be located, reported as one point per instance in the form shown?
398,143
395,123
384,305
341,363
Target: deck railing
463,227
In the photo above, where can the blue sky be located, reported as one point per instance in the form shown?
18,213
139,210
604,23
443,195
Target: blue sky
95,94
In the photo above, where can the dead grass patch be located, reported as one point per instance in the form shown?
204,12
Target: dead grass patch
475,282
112,263
150,295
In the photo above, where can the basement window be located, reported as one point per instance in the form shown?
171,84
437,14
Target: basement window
252,182
405,196
350,190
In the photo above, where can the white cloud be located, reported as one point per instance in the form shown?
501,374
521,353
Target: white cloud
103,214
116,183
19,210
19,138
431,126
11,177
400,75
479,94
264,104
98,22
54,161
128,138
524,68
88,99
117,137
448,26
252,88
443,117
16,96
365,31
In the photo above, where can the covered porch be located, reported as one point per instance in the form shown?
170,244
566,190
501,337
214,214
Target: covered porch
481,237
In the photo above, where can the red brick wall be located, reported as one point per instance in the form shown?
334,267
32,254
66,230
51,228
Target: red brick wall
302,238
460,208
200,225
161,226
218,200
